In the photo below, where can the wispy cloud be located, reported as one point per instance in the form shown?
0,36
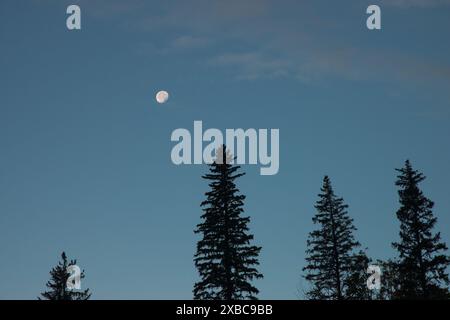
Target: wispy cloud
189,42
255,39
416,3
253,65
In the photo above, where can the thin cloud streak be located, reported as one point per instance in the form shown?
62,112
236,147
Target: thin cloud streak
296,45
253,65
415,3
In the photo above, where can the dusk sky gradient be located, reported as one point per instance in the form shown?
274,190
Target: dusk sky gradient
85,149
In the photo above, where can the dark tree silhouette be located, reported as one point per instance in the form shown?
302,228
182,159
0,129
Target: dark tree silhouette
58,283
389,280
421,263
356,281
225,259
333,268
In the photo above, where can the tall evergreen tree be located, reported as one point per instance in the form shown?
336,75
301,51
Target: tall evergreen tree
225,259
58,283
356,280
389,280
422,260
333,268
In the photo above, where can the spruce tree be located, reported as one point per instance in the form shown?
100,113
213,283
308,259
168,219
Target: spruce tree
422,261
356,281
333,268
225,259
58,283
389,280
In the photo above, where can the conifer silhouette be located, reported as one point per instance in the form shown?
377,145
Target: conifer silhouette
225,259
356,281
333,268
389,280
58,283
422,261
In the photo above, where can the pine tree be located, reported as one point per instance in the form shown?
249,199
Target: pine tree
332,265
225,259
356,281
422,263
58,283
389,280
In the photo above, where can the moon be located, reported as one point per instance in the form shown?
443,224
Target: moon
162,96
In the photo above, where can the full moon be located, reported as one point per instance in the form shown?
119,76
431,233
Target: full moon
162,96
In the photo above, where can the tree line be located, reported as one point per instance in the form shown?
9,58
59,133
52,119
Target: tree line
336,265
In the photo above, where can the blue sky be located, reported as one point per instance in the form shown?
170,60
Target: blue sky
85,150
